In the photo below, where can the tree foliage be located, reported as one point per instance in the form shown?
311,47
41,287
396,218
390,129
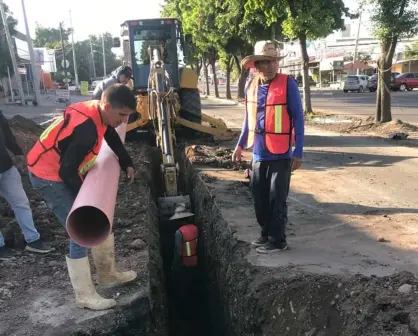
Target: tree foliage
361,56
5,59
411,52
50,38
221,32
391,20
304,20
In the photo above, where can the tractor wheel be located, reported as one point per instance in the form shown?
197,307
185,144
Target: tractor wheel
190,105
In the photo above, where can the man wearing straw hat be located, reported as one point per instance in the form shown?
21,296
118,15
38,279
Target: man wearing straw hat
273,113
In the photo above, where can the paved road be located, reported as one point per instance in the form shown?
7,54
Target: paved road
47,111
404,104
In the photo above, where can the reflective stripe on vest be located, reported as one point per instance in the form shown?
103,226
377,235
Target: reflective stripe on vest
44,158
277,122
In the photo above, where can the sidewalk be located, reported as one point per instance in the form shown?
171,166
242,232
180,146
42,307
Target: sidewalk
352,206
49,108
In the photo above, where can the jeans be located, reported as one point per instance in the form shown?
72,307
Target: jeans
60,201
11,189
270,183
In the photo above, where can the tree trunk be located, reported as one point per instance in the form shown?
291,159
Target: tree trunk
229,64
198,66
215,79
386,99
237,63
307,103
206,72
383,98
241,83
378,115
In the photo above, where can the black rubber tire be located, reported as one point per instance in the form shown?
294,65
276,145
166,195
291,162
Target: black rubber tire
191,106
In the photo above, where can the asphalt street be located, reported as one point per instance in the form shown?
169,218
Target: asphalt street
404,104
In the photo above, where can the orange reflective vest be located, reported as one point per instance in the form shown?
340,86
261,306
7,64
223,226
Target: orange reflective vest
278,125
44,158
187,236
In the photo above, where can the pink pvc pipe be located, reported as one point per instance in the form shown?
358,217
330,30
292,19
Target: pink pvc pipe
90,220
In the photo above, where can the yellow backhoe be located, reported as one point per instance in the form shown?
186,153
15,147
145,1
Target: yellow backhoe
137,36
167,97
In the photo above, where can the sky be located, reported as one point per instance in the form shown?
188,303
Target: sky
92,17
89,17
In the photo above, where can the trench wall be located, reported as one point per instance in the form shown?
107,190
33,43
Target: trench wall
285,302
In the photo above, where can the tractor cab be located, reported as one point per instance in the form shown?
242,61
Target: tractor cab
139,35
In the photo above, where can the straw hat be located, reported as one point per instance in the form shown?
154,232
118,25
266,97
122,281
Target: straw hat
263,51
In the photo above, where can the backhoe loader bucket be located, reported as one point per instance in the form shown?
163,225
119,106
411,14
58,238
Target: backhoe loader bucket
175,207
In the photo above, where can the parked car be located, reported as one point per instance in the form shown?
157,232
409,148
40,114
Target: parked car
372,82
405,82
355,83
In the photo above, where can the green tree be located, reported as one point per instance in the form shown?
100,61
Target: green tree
5,59
47,37
198,19
221,32
306,20
391,20
361,56
111,61
411,52
239,33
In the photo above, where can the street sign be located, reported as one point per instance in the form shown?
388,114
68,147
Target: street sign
84,87
338,65
66,65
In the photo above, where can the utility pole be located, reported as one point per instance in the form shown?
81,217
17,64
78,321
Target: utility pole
104,57
92,60
35,78
356,45
77,86
63,54
12,54
10,85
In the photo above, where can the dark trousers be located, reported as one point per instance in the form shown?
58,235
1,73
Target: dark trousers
270,182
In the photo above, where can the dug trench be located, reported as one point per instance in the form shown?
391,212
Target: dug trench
227,294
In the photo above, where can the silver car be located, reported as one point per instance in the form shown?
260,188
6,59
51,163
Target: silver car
355,83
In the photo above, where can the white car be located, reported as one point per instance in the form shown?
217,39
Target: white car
355,83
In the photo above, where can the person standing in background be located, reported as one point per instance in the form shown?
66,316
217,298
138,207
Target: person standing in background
11,188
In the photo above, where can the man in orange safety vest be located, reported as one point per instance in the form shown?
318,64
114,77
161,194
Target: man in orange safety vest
58,163
273,116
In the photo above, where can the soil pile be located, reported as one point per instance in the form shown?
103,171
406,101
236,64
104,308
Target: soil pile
214,156
26,131
365,125
49,271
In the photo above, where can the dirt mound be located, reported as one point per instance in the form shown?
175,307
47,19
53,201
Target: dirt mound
365,125
26,132
49,271
216,157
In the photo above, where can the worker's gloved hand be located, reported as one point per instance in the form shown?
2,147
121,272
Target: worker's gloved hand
130,174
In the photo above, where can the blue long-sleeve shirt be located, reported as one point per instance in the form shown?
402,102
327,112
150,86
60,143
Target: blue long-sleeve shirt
294,105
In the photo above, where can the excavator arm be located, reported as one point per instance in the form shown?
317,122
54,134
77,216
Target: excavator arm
162,111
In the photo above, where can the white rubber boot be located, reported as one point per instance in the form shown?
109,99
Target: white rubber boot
104,259
85,292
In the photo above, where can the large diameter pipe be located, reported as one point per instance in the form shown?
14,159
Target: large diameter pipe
90,220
